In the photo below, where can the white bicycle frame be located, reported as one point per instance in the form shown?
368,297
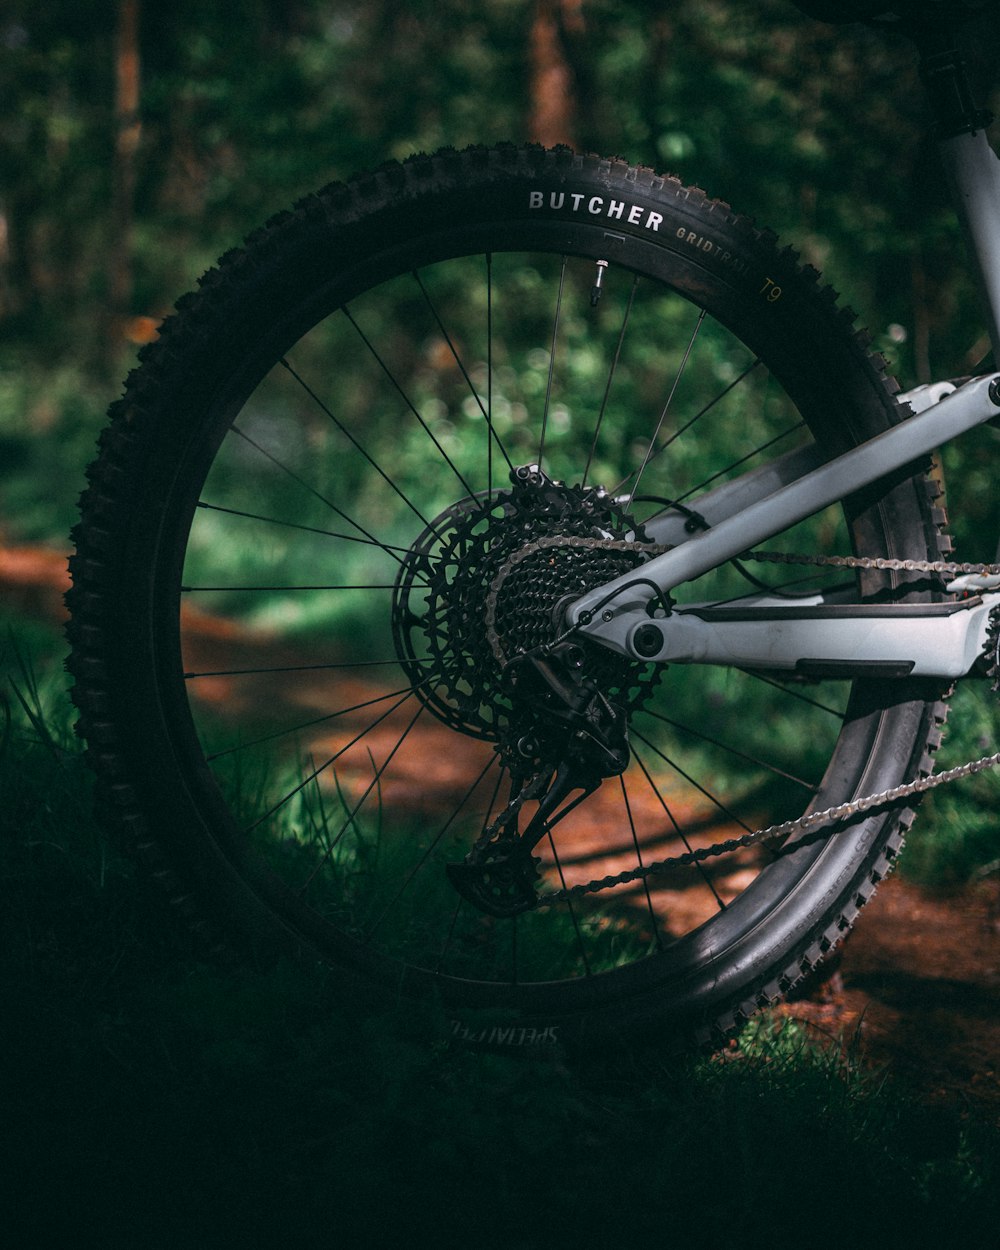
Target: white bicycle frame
822,635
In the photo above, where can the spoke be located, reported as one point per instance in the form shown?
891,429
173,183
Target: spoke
264,589
751,759
295,668
324,408
488,410
409,404
552,363
572,910
408,880
794,694
309,529
716,802
666,407
639,863
375,782
611,377
694,490
708,408
235,429
319,720
699,866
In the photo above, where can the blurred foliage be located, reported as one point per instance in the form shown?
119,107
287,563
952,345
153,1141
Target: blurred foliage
245,105
820,132
817,131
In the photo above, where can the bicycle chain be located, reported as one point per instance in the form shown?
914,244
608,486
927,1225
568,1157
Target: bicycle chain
873,562
790,828
805,824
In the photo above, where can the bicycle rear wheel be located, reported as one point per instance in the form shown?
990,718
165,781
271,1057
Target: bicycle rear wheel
302,566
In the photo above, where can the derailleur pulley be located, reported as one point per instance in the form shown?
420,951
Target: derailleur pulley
499,874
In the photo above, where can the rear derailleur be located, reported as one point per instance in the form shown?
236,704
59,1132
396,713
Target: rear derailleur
568,738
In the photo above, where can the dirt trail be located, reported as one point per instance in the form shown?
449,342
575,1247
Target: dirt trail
918,981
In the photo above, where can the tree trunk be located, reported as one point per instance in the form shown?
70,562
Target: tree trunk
553,100
128,130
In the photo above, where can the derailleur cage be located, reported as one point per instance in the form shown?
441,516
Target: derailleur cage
550,681
500,874
501,883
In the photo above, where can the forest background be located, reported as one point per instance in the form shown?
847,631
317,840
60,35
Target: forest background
139,141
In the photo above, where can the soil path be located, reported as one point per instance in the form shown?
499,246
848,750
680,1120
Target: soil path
917,983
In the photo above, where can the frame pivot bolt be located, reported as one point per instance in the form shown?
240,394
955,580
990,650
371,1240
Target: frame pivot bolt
647,640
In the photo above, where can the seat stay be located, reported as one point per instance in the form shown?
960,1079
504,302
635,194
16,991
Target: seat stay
683,522
597,612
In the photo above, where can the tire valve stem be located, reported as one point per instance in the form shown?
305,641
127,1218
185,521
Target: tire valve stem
595,290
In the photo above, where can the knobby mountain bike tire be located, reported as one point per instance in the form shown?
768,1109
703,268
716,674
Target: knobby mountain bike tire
302,570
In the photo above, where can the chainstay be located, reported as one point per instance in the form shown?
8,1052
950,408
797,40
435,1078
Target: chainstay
805,824
882,563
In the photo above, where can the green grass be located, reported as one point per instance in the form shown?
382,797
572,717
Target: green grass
957,836
151,1099
50,417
